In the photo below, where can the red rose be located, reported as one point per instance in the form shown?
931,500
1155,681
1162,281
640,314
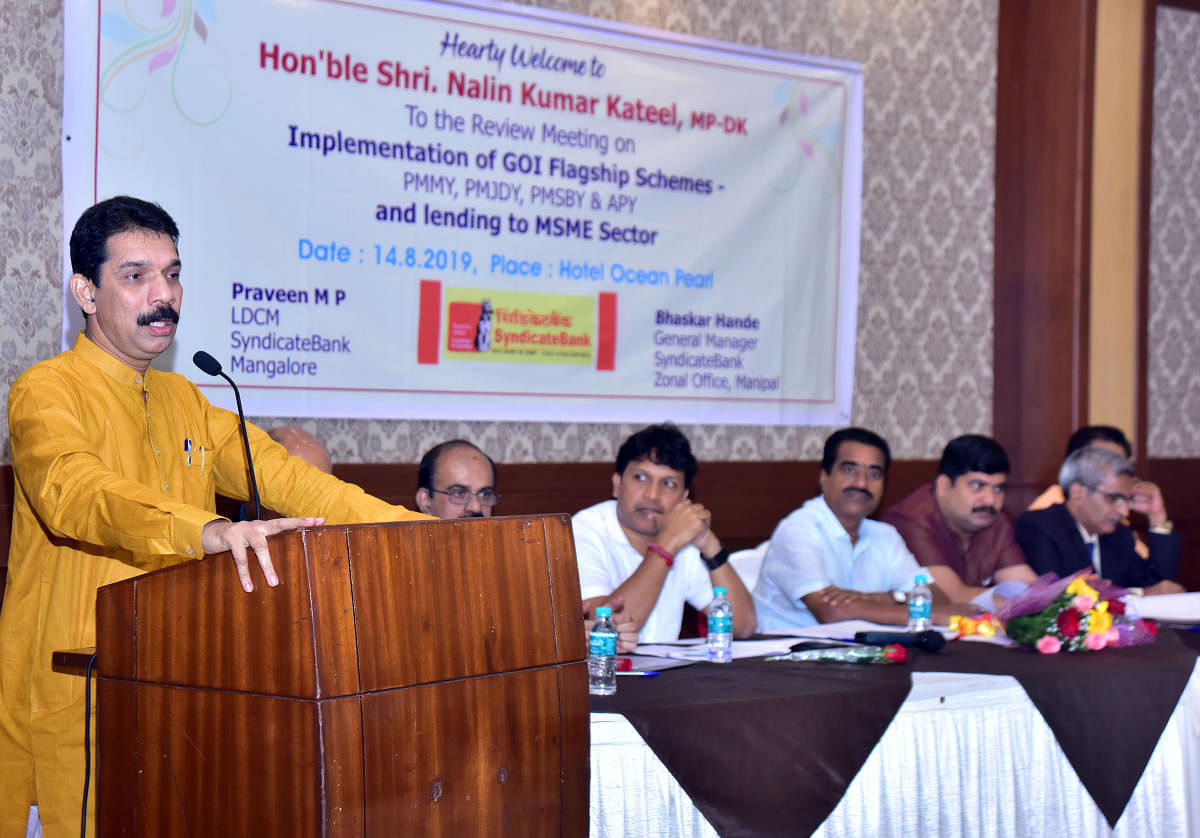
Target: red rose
1151,627
895,653
1068,622
1115,606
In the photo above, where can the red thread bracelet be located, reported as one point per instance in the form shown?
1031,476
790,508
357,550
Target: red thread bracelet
661,553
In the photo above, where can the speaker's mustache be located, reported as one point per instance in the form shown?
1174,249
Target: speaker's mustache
162,313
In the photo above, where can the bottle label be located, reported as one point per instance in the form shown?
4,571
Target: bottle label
919,608
720,625
602,644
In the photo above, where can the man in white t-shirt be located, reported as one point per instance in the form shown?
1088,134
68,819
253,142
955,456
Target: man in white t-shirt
653,546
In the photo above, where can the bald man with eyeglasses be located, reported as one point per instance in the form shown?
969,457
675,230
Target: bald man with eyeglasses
456,480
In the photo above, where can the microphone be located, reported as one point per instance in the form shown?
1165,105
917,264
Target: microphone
929,641
208,364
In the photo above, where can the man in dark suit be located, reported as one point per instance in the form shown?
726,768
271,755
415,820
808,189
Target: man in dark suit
1086,530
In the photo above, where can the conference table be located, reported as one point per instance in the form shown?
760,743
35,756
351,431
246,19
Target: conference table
974,740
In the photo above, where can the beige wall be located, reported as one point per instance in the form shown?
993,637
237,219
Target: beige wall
924,346
1112,357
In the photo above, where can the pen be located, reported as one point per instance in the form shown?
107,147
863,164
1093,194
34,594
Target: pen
644,674
187,449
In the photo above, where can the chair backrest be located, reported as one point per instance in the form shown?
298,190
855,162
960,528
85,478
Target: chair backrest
748,563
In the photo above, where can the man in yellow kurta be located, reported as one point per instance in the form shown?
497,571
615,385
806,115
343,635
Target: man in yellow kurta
105,490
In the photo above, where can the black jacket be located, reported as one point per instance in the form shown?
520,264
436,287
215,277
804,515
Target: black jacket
1051,542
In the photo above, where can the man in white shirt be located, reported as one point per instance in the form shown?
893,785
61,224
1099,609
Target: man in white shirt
653,547
827,561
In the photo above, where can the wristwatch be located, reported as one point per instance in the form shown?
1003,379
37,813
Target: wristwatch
899,597
1165,528
715,562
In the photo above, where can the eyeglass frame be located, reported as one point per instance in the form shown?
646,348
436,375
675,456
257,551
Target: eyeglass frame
462,496
1113,498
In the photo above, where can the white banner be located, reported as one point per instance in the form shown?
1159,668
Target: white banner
440,210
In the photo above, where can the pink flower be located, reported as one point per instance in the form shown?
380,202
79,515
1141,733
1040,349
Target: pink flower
1049,645
1096,642
1083,602
1112,635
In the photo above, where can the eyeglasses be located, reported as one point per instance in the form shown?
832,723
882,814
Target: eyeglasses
1114,498
460,495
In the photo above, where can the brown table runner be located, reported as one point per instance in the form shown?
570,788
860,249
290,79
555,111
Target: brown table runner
762,748
769,748
1107,709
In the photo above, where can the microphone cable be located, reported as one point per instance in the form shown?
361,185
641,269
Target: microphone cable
87,742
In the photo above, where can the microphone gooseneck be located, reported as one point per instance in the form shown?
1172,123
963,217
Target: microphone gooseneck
210,365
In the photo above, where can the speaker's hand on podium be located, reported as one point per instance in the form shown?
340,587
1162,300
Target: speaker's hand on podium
221,535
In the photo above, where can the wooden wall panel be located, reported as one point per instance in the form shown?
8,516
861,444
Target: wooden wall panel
1043,205
747,499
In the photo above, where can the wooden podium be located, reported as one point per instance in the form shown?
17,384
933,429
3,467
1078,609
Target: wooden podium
423,678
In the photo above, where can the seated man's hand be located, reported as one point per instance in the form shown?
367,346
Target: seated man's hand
627,627
835,596
1166,586
1148,500
940,614
685,524
221,535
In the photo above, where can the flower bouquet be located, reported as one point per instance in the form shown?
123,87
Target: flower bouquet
1069,615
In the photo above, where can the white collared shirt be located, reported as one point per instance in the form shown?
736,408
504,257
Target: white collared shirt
811,550
1094,550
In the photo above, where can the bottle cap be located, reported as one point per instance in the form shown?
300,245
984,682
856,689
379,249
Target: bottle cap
603,611
719,591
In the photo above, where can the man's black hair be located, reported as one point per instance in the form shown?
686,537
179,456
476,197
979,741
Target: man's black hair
429,462
1088,434
861,435
973,452
122,214
663,444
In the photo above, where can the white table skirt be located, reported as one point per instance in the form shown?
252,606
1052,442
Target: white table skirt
965,755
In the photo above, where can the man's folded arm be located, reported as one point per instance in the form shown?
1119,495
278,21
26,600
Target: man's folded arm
640,591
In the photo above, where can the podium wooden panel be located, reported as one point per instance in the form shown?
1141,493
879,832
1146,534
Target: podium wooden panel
424,678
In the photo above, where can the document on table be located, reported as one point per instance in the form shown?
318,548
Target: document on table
1170,608
696,649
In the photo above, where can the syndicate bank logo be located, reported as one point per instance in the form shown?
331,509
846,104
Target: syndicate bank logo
470,326
519,326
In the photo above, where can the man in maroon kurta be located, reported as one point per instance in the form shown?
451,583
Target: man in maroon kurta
957,527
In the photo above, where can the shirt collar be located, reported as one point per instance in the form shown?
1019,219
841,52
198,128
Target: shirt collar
1088,538
830,523
115,369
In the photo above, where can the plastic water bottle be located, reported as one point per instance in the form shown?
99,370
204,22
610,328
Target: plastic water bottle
920,605
720,628
602,654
